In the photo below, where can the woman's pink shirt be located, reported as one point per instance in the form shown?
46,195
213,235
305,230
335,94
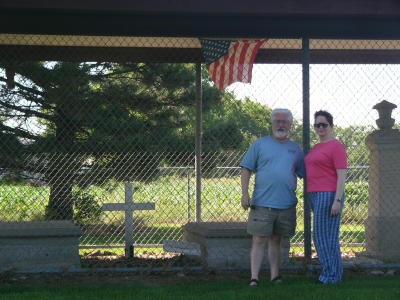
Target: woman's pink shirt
321,164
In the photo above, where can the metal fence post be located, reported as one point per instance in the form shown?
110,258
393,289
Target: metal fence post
129,250
306,146
188,194
198,138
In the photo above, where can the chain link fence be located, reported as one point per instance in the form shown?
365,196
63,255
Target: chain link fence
76,127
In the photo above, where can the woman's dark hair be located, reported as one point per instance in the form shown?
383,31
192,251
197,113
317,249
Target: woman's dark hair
324,113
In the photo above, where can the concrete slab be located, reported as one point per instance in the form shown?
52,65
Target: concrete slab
40,245
226,244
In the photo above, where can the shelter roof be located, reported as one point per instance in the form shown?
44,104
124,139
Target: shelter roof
382,8
283,18
341,31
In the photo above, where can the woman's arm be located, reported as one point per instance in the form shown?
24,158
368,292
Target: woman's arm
341,173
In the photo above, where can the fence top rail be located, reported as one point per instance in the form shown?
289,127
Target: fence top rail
236,168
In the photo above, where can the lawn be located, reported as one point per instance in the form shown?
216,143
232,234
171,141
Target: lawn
295,287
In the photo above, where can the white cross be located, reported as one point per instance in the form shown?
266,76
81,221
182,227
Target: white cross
128,207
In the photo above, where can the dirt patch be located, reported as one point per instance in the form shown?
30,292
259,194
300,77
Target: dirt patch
119,278
145,260
150,260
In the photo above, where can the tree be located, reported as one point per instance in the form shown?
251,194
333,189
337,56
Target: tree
93,113
234,124
9,154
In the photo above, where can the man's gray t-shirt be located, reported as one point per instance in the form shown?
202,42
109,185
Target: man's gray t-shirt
276,165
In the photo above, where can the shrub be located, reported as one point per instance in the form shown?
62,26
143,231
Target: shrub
356,192
86,208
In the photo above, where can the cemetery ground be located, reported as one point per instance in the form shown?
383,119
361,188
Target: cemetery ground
221,197
360,284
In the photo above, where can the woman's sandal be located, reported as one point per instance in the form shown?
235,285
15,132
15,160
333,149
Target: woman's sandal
277,279
254,282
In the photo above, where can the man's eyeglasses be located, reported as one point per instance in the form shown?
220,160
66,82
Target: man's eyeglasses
319,125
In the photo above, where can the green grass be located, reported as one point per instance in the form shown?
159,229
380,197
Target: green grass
353,288
121,251
157,234
220,200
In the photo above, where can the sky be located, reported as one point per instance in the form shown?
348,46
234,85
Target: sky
348,92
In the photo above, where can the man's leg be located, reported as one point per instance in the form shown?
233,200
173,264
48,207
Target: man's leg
274,254
257,254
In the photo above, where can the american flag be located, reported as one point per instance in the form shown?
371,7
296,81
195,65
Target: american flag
230,61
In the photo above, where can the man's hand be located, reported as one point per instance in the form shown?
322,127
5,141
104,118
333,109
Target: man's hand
245,201
335,208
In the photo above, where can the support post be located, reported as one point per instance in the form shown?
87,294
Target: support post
188,196
129,221
306,146
198,138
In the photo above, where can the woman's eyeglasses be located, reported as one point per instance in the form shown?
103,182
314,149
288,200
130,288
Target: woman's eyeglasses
319,125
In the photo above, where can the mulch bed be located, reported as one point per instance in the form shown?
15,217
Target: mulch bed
150,260
146,260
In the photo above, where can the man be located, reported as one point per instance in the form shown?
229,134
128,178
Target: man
276,161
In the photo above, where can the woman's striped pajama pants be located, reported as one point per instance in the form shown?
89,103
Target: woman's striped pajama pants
326,236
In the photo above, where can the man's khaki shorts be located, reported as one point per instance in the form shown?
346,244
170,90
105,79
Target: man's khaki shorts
266,221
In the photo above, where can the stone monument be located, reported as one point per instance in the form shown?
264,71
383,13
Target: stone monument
382,227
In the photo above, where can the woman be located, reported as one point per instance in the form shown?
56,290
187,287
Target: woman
326,166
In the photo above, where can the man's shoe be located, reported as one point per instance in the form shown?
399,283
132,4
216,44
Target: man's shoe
318,282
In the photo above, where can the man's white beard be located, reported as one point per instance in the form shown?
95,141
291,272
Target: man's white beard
280,134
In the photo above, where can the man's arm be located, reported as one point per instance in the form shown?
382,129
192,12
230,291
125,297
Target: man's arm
245,179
